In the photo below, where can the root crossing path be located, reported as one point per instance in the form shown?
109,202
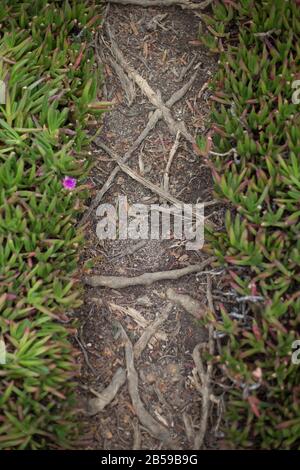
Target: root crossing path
144,383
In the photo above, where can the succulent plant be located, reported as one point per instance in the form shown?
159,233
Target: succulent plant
51,90
254,114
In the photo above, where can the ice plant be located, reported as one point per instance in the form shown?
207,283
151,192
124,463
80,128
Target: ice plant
69,183
256,168
37,360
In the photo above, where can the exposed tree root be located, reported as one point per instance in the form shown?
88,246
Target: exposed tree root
95,405
146,279
188,427
137,438
127,84
205,377
154,98
153,120
192,306
155,189
157,430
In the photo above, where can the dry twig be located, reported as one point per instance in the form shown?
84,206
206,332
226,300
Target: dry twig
185,70
130,250
138,318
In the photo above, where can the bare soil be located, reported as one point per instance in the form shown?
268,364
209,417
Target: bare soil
159,48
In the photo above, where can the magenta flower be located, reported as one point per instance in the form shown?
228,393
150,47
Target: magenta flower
69,183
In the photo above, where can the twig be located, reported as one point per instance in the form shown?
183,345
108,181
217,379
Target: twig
233,150
130,251
86,357
120,282
171,157
156,21
266,33
100,57
141,161
8,61
184,4
137,317
205,392
202,89
209,295
185,70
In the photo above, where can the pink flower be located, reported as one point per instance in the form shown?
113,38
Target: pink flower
69,183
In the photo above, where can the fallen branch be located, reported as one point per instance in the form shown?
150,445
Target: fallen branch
120,282
184,4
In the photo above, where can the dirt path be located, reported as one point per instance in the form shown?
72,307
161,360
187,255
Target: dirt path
164,409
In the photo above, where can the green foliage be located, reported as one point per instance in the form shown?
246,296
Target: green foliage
254,115
51,90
